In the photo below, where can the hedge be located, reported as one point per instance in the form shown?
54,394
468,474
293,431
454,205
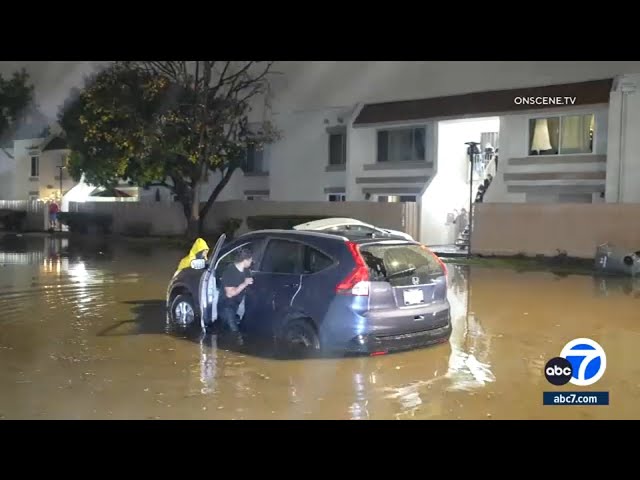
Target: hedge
86,222
13,219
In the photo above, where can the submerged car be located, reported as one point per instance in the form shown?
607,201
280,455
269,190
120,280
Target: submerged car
349,225
317,292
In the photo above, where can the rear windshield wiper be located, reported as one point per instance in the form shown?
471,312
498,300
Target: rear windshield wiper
401,273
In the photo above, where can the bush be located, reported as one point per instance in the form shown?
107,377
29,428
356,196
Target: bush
13,220
86,222
138,229
280,222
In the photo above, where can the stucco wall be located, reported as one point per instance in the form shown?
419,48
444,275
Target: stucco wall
547,229
168,219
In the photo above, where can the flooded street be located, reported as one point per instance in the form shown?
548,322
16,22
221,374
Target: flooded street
82,336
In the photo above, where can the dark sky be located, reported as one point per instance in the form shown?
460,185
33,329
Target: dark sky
307,85
52,80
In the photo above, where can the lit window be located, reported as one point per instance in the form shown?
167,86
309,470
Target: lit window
561,135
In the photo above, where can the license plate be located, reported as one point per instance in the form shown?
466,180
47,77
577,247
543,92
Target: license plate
413,297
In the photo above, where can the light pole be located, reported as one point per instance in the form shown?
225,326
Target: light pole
60,168
472,151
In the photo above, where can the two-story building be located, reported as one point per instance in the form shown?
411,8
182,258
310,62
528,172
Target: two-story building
33,165
398,131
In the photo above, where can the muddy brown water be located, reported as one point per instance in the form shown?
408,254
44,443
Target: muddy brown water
82,336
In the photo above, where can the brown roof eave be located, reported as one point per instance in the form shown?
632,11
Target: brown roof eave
479,103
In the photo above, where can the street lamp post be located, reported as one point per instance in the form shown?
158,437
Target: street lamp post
60,168
472,151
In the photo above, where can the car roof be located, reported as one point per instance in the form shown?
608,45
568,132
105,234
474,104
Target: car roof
355,237
328,222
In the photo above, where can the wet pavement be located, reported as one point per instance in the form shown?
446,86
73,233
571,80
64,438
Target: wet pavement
82,336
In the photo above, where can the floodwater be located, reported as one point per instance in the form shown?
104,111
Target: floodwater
82,336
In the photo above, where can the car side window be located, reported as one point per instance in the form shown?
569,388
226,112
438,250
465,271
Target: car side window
230,256
283,256
315,261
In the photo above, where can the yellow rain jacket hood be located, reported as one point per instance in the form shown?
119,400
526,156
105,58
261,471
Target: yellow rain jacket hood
199,249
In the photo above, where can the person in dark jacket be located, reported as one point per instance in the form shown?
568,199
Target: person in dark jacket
234,282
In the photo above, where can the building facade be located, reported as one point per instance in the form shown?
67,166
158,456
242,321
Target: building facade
565,132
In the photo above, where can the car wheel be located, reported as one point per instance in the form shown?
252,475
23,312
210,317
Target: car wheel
299,339
183,311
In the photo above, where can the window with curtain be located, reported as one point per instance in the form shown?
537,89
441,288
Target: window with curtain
562,135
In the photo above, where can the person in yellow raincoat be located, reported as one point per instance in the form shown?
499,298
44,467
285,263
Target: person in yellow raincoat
199,249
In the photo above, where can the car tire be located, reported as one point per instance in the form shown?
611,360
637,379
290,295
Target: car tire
183,312
298,339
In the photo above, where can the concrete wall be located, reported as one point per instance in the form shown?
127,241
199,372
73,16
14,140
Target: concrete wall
168,218
449,189
165,218
514,141
623,165
532,229
298,162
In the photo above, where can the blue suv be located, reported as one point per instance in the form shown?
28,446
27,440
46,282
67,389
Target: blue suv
316,292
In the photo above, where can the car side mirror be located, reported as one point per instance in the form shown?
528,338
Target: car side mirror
198,263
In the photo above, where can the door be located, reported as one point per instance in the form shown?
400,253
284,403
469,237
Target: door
227,257
208,288
276,283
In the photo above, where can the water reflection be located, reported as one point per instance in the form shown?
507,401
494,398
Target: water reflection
359,408
208,363
609,286
469,363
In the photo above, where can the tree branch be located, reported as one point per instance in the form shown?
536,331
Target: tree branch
216,191
7,153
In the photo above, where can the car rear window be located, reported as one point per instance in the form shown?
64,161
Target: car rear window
399,264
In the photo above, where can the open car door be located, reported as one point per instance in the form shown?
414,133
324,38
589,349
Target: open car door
208,288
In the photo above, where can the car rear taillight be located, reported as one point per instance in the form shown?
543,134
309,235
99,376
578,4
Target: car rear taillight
443,265
357,282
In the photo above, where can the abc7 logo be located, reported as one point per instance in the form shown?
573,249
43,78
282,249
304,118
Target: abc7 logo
581,362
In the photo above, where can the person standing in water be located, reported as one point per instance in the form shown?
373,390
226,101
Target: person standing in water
235,280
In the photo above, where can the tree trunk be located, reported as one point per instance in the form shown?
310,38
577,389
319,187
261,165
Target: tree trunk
193,220
214,195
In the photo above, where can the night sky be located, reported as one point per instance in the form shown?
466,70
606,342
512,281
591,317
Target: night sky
52,80
322,84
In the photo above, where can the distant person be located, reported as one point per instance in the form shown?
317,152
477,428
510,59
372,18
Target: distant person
462,221
235,279
53,214
199,250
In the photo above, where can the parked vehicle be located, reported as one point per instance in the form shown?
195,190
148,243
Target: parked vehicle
316,292
348,225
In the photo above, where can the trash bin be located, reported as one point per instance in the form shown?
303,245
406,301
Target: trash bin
611,260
